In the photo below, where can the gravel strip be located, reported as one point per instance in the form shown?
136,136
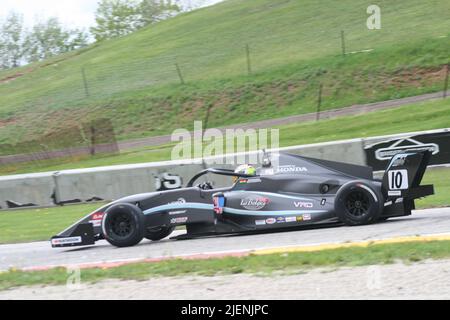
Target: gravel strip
424,280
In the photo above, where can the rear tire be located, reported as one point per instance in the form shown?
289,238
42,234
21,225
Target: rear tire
159,234
123,225
358,203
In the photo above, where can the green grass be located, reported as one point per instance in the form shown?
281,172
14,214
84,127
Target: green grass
261,265
440,178
415,117
39,224
295,45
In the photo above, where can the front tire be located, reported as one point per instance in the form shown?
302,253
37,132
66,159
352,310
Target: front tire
358,203
123,225
156,235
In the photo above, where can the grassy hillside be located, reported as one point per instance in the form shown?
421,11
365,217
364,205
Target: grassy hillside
294,46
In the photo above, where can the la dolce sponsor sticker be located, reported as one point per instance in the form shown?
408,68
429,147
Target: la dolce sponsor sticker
254,203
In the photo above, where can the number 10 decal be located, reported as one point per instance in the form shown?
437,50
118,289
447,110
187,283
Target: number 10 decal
398,180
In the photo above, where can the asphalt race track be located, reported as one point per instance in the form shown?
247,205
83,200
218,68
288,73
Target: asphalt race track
40,254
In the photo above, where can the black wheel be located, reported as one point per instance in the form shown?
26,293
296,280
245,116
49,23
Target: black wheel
123,225
357,203
158,234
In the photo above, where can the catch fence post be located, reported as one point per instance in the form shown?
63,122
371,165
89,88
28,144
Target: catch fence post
446,81
180,75
343,43
249,62
319,102
86,88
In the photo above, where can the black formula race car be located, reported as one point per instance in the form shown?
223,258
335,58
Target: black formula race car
294,191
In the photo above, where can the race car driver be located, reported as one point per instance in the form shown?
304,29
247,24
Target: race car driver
244,169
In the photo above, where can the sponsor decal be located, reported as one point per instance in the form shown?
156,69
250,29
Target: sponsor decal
172,213
306,217
219,204
260,222
179,201
179,220
291,169
394,193
96,223
400,161
267,172
307,205
96,219
254,203
62,241
398,179
281,220
244,181
300,219
271,221
97,216
323,202
291,219
399,200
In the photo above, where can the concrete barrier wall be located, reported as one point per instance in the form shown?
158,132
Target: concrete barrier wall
24,189
110,183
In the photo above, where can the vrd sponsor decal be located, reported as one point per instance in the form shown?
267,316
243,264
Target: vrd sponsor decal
300,204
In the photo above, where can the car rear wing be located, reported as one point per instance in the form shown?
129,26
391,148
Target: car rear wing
404,174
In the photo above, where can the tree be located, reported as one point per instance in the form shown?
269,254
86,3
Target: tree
49,38
11,41
116,18
152,11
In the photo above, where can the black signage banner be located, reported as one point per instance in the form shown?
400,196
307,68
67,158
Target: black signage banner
378,155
